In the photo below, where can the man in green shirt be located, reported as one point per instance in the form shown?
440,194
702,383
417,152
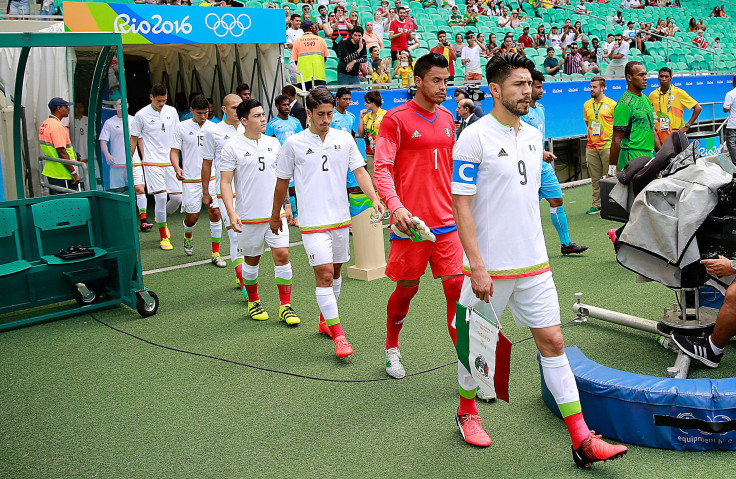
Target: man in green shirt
633,121
455,18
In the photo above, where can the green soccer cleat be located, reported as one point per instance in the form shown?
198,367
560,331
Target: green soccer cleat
256,311
288,315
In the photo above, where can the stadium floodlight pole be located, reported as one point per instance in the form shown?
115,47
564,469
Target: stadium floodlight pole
586,14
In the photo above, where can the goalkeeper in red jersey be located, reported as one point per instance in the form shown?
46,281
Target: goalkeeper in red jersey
413,172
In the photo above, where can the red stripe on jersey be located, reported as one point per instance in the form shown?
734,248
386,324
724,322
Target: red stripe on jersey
413,162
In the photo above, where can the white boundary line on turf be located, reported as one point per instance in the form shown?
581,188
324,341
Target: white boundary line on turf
197,263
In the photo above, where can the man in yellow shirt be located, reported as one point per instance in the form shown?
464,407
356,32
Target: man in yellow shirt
598,115
669,104
55,143
369,124
309,53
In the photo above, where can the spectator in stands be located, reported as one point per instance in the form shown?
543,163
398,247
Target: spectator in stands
589,64
323,20
294,31
429,3
458,45
581,8
287,12
379,24
729,107
243,91
619,19
629,34
55,143
404,69
380,73
491,44
448,4
554,38
46,7
211,111
383,10
307,13
572,60
341,27
606,48
540,38
466,112
568,37
723,12
350,55
692,26
372,39
374,57
470,18
504,19
618,57
446,50
308,56
644,35
717,44
626,4
660,29
551,64
353,19
595,50
297,109
700,40
702,26
455,19
516,19
399,32
716,12
507,46
494,10
578,29
471,59
369,123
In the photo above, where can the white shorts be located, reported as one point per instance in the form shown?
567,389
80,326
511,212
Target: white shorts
223,210
254,237
532,300
191,197
162,178
138,175
327,247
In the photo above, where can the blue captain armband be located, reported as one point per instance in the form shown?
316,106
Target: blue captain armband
465,172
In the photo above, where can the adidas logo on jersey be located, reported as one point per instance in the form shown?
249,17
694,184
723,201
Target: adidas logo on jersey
191,133
310,152
247,153
416,134
226,137
502,153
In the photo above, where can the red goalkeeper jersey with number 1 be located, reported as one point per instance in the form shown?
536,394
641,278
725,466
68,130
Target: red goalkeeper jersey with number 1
413,162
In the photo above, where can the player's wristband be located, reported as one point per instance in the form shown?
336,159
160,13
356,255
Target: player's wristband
611,170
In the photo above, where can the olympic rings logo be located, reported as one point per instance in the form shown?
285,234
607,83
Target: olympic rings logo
228,24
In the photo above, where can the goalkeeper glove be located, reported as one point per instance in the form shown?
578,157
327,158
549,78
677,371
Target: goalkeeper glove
420,232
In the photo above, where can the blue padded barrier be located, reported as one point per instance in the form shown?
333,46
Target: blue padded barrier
663,413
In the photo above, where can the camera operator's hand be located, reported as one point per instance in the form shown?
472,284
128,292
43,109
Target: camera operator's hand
548,156
718,267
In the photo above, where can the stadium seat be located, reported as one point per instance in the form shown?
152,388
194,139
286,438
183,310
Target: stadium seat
11,256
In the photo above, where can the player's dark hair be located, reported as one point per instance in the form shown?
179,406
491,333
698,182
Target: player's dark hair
192,95
374,97
288,90
320,96
246,106
499,67
281,98
210,101
342,91
199,102
158,90
441,32
245,87
426,62
537,76
629,68
666,69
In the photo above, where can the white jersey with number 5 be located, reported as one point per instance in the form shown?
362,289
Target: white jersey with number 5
502,170
320,171
254,164
156,128
189,139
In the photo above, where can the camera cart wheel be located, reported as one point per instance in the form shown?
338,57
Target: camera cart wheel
83,295
146,303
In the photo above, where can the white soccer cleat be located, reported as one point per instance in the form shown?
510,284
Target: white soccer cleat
394,367
484,395
420,232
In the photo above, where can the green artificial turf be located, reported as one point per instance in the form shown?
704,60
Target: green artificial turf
82,400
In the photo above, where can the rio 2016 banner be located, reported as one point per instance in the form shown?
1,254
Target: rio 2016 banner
157,24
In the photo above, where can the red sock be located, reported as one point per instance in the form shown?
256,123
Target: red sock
142,215
579,431
162,232
188,235
336,330
452,288
467,406
397,309
252,290
215,246
239,274
284,293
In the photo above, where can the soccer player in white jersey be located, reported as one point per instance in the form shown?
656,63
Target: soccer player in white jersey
319,159
496,178
214,139
113,150
249,161
188,139
155,124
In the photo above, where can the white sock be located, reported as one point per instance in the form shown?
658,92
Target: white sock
559,379
141,202
283,271
250,273
187,229
327,302
715,348
216,229
336,285
173,204
233,237
160,207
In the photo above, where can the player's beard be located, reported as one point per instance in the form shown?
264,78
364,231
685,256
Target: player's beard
514,107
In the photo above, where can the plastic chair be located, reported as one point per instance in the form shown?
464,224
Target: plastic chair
10,252
62,223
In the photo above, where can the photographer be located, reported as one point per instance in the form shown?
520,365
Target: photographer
444,49
709,351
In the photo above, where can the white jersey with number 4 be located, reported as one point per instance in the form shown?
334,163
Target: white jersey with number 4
254,164
189,139
156,128
502,170
320,171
